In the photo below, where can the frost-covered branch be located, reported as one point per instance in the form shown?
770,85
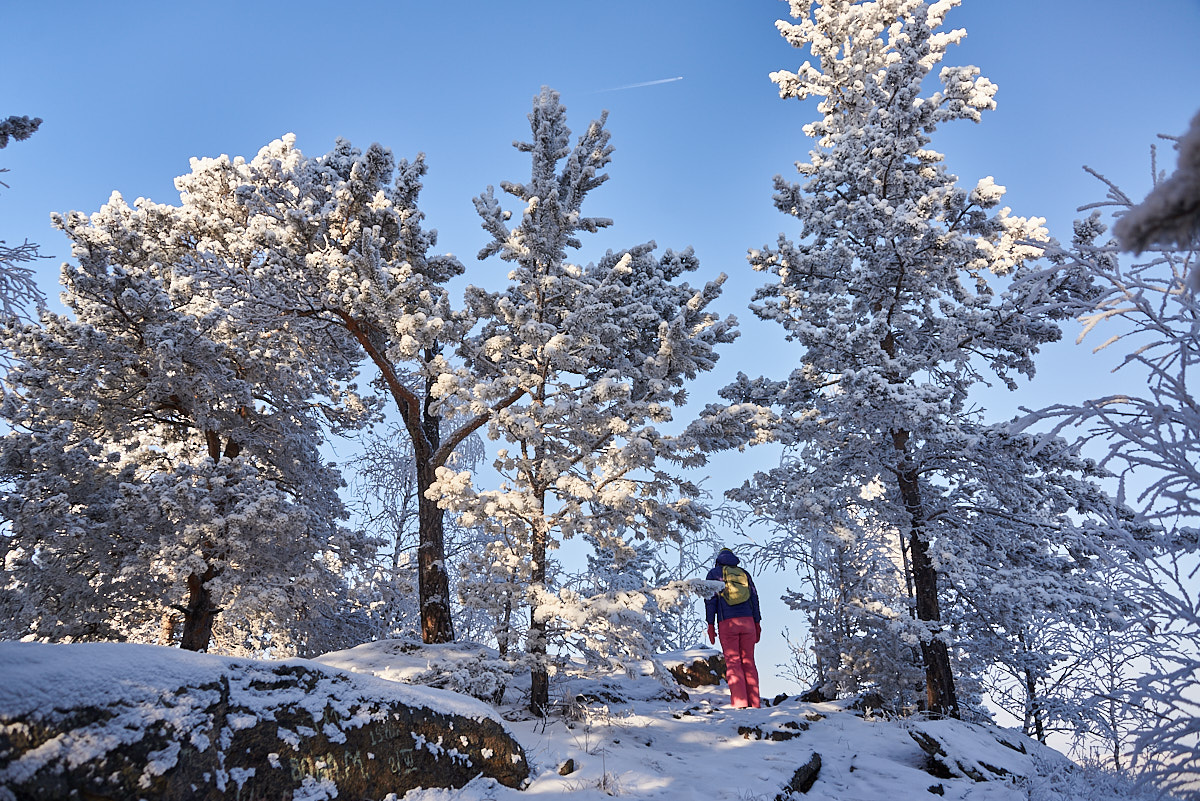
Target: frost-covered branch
1170,214
1150,432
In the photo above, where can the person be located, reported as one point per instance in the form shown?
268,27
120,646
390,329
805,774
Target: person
734,614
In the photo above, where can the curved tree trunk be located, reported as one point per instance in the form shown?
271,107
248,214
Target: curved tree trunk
199,614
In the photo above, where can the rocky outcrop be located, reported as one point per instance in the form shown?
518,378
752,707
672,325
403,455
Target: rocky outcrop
696,667
127,721
962,750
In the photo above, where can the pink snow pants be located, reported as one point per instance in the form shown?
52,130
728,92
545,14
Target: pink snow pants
737,641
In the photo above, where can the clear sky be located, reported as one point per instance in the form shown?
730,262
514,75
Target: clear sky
129,91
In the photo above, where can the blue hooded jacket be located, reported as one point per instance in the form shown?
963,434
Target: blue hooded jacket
717,608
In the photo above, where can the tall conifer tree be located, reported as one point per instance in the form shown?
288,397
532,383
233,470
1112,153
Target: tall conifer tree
601,354
900,289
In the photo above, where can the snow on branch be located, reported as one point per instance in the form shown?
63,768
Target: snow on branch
18,129
1170,214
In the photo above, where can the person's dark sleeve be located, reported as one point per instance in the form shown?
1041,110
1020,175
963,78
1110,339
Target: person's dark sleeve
710,603
754,601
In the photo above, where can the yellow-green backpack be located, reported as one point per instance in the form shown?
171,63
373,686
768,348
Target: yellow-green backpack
737,585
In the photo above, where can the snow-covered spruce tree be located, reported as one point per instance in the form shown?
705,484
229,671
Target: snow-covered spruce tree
902,290
600,355
341,253
164,455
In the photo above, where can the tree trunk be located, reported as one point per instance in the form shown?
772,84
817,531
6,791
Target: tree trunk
539,675
433,583
1033,712
939,679
941,698
504,630
199,614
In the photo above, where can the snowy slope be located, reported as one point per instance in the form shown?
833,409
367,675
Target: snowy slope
629,738
636,737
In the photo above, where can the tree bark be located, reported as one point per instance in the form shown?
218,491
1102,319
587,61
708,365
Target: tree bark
1033,710
429,453
539,675
433,583
199,614
941,698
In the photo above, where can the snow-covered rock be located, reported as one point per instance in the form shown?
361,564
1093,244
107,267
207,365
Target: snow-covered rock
962,750
696,667
127,721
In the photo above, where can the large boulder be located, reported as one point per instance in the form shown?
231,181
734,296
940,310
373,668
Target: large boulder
116,721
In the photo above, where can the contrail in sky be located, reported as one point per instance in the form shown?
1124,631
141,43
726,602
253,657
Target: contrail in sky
644,83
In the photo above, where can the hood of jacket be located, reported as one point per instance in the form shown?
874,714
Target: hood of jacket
727,557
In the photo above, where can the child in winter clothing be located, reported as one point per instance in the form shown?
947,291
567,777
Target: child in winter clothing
740,626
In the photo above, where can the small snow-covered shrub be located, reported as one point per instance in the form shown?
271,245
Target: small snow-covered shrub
1086,783
483,676
612,628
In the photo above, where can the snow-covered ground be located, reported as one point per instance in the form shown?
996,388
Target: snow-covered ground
613,734
651,746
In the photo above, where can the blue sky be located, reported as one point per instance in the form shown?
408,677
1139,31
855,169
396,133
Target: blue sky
131,90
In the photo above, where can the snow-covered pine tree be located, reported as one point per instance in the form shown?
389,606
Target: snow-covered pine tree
901,290
600,355
340,253
164,454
